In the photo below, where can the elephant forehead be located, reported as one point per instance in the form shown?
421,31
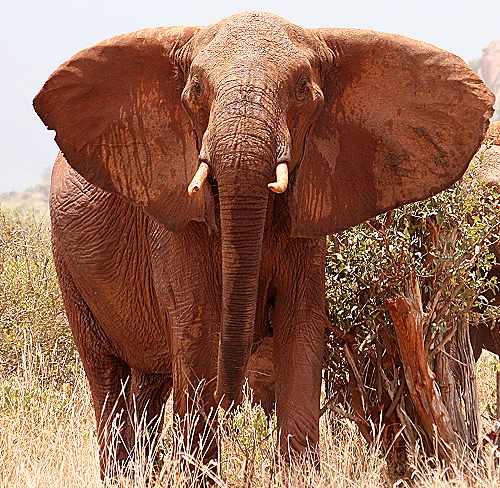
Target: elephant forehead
253,40
256,26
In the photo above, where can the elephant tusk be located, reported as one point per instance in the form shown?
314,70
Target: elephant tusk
198,179
281,183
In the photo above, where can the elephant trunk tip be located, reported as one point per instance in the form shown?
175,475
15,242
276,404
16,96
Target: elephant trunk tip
227,402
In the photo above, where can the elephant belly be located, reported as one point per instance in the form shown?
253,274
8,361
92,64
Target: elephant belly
131,323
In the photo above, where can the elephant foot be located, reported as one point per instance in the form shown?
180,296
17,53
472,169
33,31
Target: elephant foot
261,377
293,453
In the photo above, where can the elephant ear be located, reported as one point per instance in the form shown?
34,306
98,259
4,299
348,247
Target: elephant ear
401,121
116,109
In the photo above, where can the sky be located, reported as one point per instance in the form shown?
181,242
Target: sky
38,35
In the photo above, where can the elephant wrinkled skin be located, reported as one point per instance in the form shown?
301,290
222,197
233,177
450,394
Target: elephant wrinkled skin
283,135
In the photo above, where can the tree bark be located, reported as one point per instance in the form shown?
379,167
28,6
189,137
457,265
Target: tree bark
408,316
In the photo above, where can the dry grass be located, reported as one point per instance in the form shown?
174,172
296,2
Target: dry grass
47,439
47,427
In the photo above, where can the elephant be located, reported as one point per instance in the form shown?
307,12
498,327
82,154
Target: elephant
201,169
487,335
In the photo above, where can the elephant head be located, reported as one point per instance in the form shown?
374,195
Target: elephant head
317,129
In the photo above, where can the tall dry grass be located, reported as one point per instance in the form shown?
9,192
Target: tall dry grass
47,427
48,439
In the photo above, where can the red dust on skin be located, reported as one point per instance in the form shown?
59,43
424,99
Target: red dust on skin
169,289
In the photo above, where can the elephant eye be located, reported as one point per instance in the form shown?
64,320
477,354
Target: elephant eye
195,87
302,88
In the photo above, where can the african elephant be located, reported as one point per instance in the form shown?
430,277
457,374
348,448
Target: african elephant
487,335
200,170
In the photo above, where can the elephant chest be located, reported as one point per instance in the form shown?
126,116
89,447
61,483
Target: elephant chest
187,272
141,280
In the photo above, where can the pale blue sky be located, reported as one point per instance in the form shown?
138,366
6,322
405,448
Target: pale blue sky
37,35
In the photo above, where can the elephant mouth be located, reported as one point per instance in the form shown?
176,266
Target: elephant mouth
214,186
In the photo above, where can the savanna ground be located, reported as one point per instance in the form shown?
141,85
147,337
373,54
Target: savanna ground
47,427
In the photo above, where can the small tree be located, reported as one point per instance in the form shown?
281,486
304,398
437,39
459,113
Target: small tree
402,291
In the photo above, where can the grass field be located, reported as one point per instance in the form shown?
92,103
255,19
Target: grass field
47,428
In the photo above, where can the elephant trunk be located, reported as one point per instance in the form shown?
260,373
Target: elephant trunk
243,211
242,142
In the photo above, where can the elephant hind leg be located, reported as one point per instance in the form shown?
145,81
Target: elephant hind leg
109,380
108,376
128,404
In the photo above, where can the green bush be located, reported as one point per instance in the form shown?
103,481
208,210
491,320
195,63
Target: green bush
32,316
445,239
446,242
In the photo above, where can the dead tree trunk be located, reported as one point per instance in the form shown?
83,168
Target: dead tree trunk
424,388
463,364
408,316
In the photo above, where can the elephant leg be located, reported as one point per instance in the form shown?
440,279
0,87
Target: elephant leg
195,312
107,375
148,395
299,336
194,368
260,373
109,380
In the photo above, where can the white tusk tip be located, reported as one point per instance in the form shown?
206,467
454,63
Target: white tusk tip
276,188
198,179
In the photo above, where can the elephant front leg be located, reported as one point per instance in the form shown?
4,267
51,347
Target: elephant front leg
298,359
299,338
194,307
194,375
